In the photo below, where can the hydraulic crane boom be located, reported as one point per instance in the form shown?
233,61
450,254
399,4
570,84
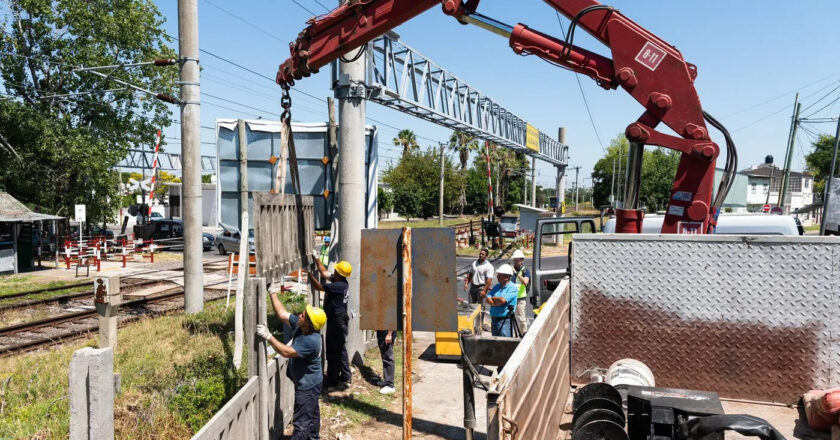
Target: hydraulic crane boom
647,67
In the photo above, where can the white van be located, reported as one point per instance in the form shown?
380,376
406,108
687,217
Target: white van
737,224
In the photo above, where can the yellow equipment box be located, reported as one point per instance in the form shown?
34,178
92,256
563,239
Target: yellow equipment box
446,343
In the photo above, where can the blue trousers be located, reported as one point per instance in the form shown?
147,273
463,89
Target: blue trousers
500,326
306,419
338,364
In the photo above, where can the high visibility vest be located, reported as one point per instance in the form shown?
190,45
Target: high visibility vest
523,288
325,255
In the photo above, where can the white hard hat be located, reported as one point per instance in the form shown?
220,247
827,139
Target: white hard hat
518,254
504,269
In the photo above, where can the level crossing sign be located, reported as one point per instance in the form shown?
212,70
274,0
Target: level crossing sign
765,208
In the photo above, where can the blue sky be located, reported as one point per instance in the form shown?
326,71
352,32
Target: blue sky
752,57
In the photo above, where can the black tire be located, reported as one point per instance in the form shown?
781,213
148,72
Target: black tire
222,250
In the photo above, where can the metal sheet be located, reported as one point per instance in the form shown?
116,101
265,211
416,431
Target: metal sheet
534,385
263,142
434,302
748,317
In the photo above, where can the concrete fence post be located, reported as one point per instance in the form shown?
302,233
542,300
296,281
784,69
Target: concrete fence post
107,299
92,394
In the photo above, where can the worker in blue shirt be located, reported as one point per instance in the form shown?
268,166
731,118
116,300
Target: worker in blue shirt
336,296
304,354
502,301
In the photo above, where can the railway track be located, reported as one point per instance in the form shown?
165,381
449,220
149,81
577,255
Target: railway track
32,335
60,299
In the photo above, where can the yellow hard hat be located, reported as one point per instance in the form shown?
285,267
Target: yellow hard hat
343,268
316,316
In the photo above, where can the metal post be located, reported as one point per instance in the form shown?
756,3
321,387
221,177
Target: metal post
830,177
533,181
770,185
794,123
469,402
243,175
440,190
351,189
262,368
406,325
191,154
633,175
577,185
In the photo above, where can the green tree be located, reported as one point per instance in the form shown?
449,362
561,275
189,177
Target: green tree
406,139
659,166
415,182
463,143
819,161
66,148
385,201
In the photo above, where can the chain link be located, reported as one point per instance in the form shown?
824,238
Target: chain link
286,103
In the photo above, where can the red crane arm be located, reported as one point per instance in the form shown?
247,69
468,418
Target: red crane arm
648,68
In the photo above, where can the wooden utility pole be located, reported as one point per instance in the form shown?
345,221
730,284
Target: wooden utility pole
794,124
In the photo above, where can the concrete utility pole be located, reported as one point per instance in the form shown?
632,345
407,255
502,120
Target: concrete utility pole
533,181
830,177
794,124
560,182
440,190
612,186
351,187
577,172
191,154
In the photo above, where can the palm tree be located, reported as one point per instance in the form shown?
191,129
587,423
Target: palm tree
463,143
407,139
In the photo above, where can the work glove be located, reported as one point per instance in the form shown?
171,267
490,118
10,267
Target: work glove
263,332
315,256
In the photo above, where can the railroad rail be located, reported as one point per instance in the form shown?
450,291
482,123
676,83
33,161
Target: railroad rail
128,288
32,335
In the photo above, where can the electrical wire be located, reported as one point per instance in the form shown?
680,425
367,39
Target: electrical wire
824,107
823,97
304,8
252,25
583,95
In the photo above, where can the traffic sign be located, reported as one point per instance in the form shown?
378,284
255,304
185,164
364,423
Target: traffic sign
765,208
776,210
80,213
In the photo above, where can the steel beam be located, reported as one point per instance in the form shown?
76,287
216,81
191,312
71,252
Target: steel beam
402,78
137,158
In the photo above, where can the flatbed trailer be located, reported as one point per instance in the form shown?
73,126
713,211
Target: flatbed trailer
752,318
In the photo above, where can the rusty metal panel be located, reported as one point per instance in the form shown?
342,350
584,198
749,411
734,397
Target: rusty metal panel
434,300
745,316
534,385
283,234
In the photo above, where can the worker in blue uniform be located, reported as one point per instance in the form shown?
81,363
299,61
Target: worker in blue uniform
336,295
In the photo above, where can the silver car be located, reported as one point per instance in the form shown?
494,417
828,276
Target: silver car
228,239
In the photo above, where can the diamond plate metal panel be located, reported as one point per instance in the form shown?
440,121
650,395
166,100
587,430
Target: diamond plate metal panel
434,301
747,317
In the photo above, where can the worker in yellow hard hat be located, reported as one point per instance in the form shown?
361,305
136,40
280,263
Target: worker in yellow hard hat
304,354
336,294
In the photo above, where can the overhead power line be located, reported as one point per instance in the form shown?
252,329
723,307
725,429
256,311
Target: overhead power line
583,95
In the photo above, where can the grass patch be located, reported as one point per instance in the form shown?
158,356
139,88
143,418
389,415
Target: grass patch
364,403
176,373
12,284
812,228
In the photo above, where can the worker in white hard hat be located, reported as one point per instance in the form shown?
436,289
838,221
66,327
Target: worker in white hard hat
502,301
522,279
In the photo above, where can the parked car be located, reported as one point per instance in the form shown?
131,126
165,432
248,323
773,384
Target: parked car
98,231
159,230
207,241
742,224
228,239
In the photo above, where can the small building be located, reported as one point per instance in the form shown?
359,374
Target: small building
764,182
21,234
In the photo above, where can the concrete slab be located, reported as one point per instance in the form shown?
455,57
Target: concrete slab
438,395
